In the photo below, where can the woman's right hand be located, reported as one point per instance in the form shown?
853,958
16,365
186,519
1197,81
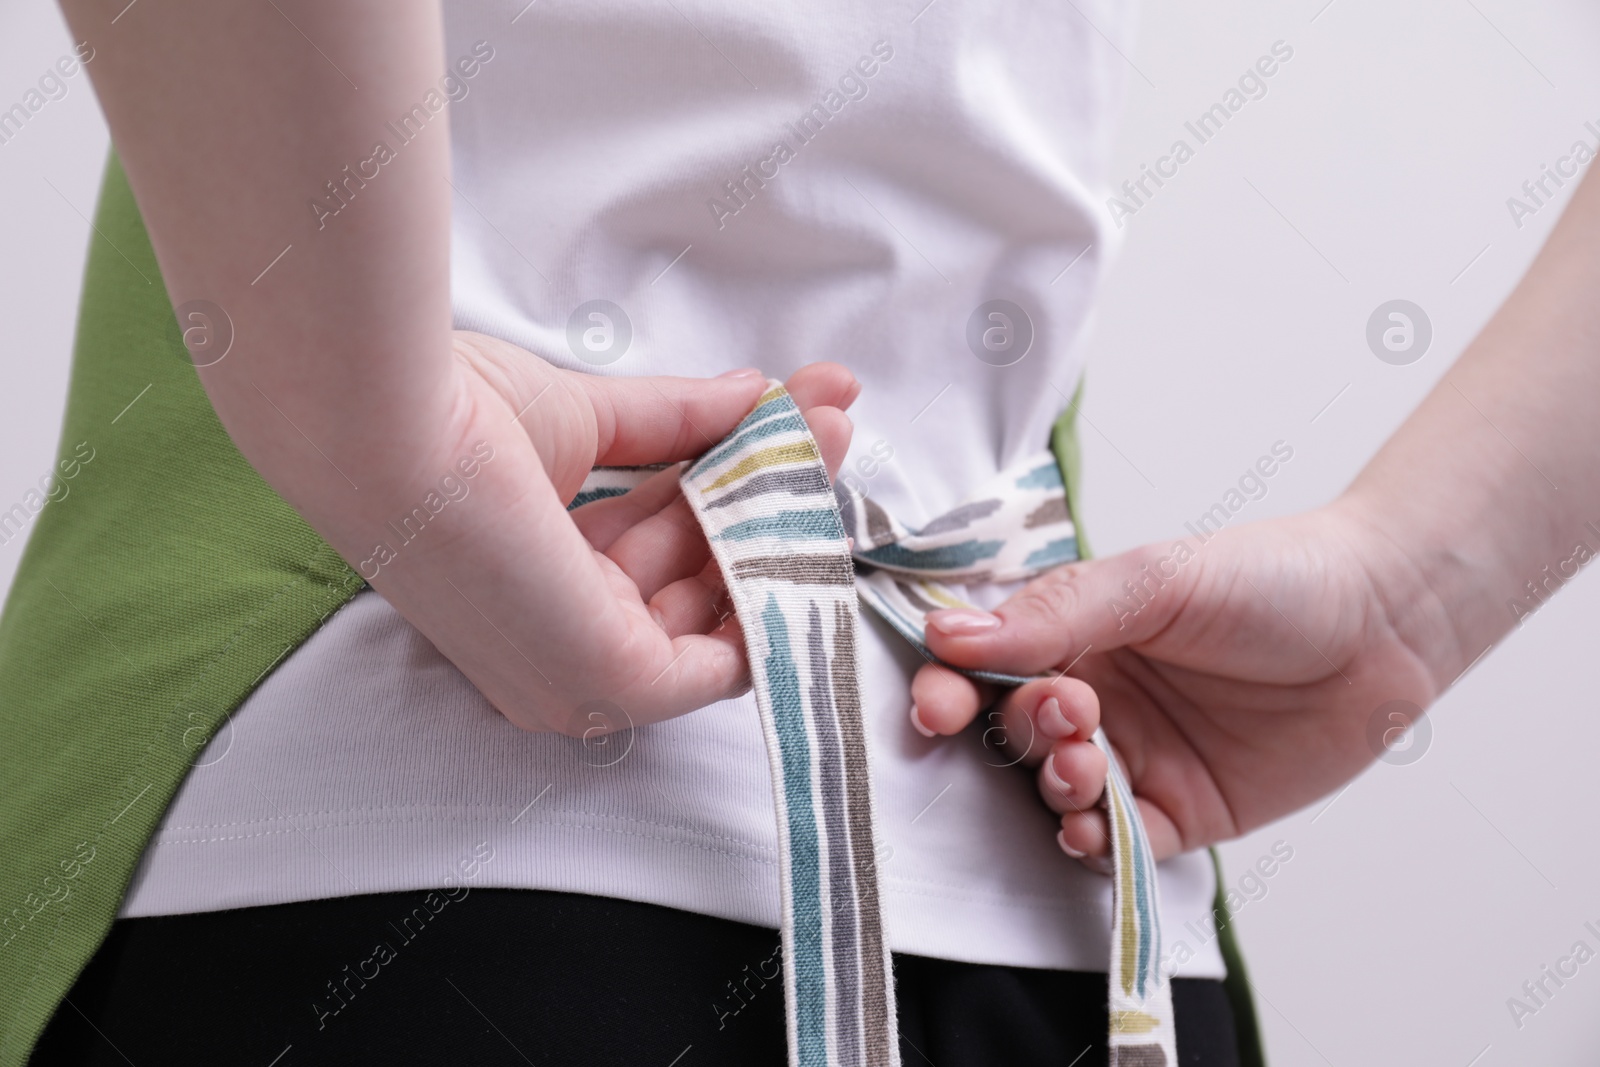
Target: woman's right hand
617,606
346,390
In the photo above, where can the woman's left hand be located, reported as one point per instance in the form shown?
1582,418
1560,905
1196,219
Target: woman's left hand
1238,684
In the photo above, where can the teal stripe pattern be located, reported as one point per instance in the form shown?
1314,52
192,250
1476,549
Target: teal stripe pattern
799,557
603,483
760,429
1042,476
1062,551
1014,526
1141,1013
589,496
818,524
770,515
805,875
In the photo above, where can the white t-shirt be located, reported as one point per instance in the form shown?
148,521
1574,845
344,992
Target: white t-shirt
647,188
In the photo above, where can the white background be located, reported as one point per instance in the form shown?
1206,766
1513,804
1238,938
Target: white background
1377,167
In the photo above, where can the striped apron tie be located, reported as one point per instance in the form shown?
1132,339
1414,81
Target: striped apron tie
783,538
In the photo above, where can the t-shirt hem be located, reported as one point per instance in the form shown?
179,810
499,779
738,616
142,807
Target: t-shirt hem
189,870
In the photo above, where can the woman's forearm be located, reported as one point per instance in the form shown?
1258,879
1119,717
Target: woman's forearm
341,388
1496,474
234,122
290,160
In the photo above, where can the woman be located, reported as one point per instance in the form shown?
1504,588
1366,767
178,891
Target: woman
613,208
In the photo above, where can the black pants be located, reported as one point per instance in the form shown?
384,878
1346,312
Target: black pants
518,977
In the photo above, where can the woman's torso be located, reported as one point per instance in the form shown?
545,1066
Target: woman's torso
648,188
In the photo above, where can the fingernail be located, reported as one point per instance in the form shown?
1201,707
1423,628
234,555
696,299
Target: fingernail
1053,721
916,720
963,623
743,372
1061,839
1058,783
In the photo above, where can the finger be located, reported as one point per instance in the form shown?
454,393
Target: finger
662,419
1010,734
1165,840
1027,721
1073,777
823,385
709,667
1084,837
1069,610
603,521
1059,708
699,670
832,429
697,604
669,546
943,701
664,548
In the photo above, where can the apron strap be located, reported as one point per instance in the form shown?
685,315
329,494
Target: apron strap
764,499
784,543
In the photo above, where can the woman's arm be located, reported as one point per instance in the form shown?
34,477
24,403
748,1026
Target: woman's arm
1496,473
345,387
1243,677
230,119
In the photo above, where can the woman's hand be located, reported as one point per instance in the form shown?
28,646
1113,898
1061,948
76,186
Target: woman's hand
1236,677
615,606
1240,684
347,391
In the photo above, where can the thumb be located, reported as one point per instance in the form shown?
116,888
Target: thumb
661,419
1057,617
